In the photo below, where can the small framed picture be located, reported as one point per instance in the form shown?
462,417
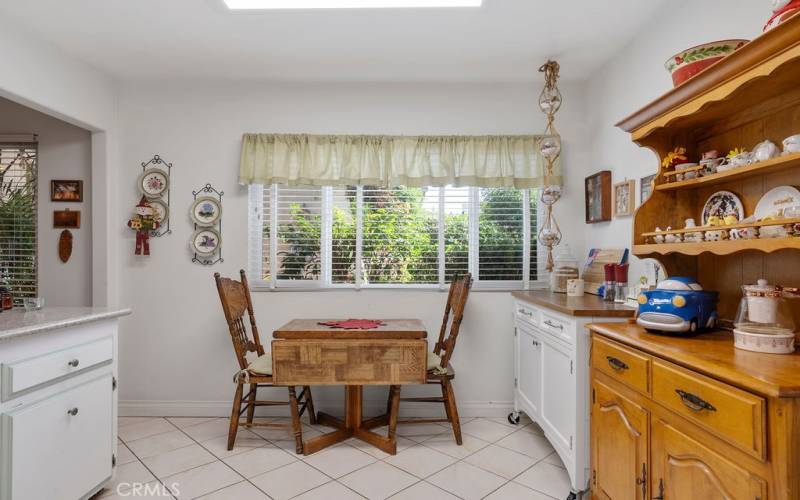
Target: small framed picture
61,190
66,219
597,190
646,186
624,194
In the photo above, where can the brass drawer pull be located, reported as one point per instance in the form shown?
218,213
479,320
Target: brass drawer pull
694,403
616,364
553,325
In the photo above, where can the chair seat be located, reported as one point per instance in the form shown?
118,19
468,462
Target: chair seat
262,365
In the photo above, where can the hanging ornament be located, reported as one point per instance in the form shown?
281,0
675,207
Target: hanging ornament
550,146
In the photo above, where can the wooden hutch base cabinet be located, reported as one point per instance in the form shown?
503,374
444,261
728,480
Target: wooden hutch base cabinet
691,417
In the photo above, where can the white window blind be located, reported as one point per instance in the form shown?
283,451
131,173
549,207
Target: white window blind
366,236
18,198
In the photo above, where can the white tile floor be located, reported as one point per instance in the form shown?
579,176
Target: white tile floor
187,458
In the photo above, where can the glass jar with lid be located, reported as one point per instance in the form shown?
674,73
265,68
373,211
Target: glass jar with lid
765,321
565,268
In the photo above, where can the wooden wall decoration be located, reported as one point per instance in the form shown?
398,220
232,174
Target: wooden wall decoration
65,245
597,189
66,219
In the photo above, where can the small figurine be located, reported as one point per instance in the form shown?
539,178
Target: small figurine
144,221
672,238
692,237
743,233
659,238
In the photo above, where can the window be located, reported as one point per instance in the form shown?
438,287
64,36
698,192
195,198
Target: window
18,219
367,236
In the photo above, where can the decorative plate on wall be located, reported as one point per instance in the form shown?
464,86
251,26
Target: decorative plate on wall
721,204
161,210
153,182
776,201
206,211
206,241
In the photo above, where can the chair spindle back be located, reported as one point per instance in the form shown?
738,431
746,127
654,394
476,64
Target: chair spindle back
235,298
453,314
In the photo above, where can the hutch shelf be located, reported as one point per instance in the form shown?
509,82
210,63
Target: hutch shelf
691,417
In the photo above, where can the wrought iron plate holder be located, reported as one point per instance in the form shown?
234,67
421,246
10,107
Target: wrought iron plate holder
207,261
152,163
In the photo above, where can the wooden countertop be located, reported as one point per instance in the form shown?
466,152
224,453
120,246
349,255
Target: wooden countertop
713,354
588,305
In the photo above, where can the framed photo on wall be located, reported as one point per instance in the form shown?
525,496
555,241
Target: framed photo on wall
61,190
646,187
624,198
597,189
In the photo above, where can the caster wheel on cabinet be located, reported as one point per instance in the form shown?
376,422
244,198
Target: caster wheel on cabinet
513,417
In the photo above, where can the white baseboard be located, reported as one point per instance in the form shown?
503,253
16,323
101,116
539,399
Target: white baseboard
151,408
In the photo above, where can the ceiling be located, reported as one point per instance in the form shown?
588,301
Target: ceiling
505,40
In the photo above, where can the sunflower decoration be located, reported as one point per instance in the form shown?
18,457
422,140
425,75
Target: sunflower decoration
735,152
674,158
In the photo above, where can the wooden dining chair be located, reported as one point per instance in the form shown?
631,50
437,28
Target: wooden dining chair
257,373
440,372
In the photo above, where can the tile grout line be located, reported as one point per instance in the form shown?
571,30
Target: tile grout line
158,479
447,430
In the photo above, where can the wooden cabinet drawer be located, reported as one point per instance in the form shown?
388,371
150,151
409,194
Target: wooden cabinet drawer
60,447
623,364
23,375
735,416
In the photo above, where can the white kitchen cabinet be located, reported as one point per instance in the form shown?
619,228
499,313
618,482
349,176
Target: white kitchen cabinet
58,403
551,374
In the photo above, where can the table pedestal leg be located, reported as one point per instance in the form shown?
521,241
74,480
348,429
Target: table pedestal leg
354,426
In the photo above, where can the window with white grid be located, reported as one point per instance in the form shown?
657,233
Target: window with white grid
18,219
374,237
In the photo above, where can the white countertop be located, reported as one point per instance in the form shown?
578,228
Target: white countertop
18,322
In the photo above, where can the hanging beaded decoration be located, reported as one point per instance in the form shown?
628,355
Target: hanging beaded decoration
550,147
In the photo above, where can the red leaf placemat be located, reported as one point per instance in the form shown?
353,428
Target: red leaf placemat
354,324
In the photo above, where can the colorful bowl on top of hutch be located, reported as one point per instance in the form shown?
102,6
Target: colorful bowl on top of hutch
692,61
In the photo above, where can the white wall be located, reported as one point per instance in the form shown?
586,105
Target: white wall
176,355
65,152
637,77
39,75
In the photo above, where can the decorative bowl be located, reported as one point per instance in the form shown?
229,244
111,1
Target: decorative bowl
692,61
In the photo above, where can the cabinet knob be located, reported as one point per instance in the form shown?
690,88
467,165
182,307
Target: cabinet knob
72,412
536,343
74,363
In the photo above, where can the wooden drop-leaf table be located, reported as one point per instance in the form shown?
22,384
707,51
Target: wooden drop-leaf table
305,352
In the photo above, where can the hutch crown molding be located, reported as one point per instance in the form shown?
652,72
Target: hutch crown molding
691,417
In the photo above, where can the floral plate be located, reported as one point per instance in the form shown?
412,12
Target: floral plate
205,211
722,203
205,242
153,183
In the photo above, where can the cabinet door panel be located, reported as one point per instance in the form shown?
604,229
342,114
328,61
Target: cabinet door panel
530,369
60,446
619,445
687,470
558,408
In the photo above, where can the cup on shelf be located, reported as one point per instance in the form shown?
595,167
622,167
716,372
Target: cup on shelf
33,303
792,144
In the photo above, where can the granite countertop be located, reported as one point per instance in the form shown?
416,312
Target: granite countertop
18,322
587,305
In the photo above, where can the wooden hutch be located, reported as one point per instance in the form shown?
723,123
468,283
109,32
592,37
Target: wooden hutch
691,417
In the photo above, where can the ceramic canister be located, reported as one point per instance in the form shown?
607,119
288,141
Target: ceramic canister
762,302
575,288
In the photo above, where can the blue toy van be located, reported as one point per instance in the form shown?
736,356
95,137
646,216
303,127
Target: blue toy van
677,305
